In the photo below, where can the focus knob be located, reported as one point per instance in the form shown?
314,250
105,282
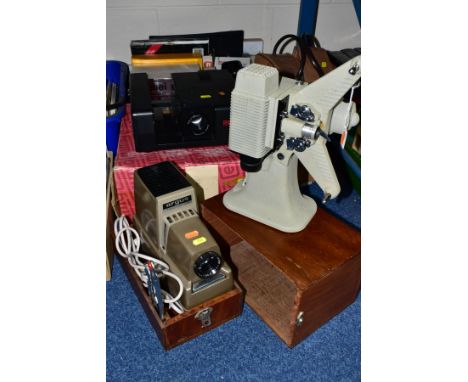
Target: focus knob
207,265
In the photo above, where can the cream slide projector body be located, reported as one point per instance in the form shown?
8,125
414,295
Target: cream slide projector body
276,123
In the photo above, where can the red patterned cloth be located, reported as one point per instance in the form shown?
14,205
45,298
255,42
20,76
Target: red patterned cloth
128,160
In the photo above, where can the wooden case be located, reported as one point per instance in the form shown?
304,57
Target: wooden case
180,328
294,281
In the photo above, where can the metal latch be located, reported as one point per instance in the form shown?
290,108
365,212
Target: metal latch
204,316
300,319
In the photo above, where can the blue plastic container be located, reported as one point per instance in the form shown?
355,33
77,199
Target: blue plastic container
116,72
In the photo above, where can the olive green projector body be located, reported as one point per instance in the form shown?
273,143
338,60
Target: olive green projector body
167,220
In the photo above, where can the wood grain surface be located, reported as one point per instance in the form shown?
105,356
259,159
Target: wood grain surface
176,330
306,256
315,271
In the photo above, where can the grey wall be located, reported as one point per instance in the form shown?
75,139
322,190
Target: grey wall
337,25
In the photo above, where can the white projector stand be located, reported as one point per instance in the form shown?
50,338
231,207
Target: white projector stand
272,196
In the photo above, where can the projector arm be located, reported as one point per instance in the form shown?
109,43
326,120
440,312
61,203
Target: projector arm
307,126
317,162
325,93
307,141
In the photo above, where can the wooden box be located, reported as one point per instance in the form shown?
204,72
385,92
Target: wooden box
294,281
180,328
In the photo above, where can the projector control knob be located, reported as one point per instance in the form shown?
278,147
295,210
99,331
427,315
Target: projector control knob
198,124
302,112
207,265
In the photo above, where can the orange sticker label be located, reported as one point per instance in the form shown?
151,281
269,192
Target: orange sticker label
344,136
191,234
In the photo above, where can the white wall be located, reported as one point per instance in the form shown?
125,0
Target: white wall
337,25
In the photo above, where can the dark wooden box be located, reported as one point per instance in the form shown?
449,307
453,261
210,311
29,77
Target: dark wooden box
294,281
180,328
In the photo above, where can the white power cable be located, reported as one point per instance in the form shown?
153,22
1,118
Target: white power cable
127,244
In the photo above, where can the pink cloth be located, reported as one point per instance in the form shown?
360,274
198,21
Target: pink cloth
128,160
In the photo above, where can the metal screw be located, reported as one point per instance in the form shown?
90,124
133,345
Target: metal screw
354,69
326,198
300,319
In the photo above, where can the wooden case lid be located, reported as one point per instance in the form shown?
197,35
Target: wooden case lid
304,257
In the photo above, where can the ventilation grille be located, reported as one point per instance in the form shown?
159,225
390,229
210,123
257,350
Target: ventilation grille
174,218
180,215
247,131
249,109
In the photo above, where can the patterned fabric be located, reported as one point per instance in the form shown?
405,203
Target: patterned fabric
128,160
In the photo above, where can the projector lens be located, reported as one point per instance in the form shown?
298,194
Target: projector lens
198,123
207,265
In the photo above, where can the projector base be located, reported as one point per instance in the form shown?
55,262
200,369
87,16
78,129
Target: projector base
272,197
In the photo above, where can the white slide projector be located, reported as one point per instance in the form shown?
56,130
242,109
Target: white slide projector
276,123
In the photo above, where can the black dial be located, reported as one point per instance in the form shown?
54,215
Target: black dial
198,123
207,265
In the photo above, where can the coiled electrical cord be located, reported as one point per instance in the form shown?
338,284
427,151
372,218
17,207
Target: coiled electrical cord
315,42
127,244
303,43
285,40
